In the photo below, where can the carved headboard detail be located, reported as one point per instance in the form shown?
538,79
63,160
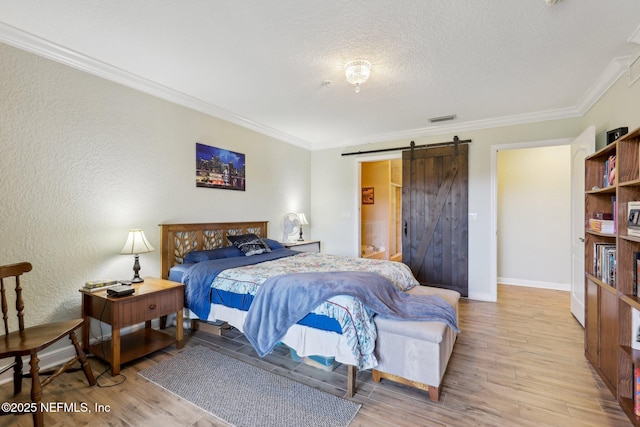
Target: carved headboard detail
176,240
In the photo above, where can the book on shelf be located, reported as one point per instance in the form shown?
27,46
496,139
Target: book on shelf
606,226
636,273
633,219
609,171
602,215
614,210
636,390
604,263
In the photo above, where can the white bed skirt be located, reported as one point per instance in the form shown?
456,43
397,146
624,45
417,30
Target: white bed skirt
304,340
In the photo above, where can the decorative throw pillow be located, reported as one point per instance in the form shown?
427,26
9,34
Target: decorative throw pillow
250,244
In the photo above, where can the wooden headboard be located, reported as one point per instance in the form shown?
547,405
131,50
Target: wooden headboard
176,240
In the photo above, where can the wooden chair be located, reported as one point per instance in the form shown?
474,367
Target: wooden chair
29,341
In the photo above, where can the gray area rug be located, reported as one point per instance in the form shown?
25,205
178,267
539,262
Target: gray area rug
247,396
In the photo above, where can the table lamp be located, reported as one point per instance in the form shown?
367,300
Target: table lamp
136,244
303,221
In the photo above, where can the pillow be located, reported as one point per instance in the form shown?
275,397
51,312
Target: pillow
206,255
250,244
273,244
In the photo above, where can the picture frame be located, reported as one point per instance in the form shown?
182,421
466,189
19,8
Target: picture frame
635,329
368,195
219,168
633,219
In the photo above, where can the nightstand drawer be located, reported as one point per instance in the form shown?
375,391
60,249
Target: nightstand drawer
150,307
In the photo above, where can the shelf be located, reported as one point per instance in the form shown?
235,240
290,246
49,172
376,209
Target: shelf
631,183
600,283
606,190
597,233
634,355
631,301
627,406
629,238
606,151
134,345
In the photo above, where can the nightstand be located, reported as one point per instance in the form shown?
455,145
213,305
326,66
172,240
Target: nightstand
153,298
304,246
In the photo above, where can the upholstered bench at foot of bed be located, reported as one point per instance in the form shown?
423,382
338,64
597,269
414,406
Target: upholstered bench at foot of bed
415,353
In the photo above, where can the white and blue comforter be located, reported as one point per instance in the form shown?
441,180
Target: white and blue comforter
355,319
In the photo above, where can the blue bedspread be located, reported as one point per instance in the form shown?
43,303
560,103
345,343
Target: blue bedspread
198,279
283,300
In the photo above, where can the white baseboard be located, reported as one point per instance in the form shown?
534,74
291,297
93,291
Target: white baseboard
534,284
48,359
58,356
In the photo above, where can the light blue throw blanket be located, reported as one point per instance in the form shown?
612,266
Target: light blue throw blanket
283,300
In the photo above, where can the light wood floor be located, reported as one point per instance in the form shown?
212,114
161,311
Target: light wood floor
518,362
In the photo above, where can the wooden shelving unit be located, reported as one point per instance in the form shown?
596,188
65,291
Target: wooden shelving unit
609,307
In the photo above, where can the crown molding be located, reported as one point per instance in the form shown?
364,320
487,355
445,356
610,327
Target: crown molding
44,48
41,47
616,68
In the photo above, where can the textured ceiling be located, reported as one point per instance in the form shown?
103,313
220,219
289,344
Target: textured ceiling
262,64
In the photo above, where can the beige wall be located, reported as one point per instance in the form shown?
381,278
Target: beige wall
534,198
335,213
83,159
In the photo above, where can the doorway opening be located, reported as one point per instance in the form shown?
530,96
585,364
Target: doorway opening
530,216
381,209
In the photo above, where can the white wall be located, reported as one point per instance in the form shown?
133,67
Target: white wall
534,217
333,211
83,160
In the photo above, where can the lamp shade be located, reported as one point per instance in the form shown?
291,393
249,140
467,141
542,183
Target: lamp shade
302,218
137,243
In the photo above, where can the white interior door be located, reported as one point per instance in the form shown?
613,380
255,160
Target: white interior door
581,147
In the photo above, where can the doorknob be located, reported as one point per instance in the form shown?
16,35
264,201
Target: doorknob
405,228
581,239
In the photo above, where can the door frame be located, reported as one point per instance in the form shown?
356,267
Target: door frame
358,161
493,294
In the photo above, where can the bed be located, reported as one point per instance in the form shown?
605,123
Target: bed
222,282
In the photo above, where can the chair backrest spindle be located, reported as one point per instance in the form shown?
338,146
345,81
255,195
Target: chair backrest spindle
15,271
5,308
19,304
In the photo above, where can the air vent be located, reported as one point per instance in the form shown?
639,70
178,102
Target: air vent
442,118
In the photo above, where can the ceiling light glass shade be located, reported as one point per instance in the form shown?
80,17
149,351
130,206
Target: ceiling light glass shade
357,72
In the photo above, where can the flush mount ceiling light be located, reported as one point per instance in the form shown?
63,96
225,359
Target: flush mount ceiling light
357,72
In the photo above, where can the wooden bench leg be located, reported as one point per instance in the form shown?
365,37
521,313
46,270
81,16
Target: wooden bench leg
434,393
351,380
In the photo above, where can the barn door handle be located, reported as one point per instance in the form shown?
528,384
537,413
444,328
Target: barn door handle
405,228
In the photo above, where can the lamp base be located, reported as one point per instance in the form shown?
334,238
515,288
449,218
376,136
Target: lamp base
136,270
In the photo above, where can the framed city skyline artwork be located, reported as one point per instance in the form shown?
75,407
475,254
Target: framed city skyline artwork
219,168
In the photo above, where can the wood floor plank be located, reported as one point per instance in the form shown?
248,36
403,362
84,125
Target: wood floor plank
518,362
